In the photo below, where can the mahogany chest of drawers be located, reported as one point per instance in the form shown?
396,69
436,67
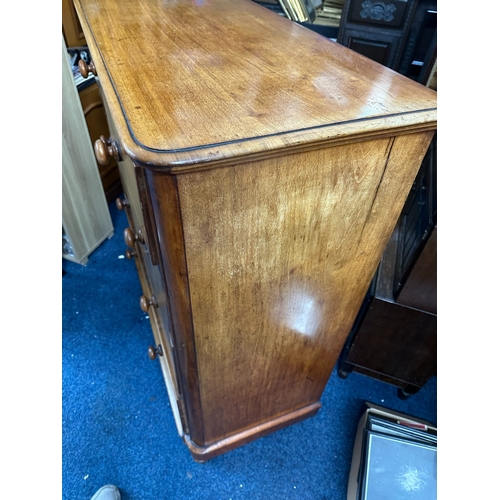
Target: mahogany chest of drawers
264,169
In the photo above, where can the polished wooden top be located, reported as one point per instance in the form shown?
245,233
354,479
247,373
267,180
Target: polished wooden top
192,81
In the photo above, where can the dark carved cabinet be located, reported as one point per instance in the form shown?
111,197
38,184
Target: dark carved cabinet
376,29
400,34
394,336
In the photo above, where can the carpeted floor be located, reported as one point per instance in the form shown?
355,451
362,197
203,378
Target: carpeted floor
118,427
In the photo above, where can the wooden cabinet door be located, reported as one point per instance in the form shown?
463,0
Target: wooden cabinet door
377,30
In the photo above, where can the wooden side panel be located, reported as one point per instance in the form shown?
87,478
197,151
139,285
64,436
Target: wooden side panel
279,255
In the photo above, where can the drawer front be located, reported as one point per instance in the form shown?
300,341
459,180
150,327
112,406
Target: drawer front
159,318
161,314
154,291
168,372
152,286
129,184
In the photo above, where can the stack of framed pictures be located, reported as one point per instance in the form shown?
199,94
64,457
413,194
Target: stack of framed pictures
394,457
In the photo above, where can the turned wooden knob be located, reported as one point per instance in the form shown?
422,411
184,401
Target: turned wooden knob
153,352
85,68
130,254
121,204
104,149
130,237
145,303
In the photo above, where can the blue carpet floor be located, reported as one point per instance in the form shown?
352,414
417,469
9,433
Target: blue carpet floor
117,423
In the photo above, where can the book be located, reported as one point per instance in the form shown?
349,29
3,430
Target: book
286,10
300,10
394,457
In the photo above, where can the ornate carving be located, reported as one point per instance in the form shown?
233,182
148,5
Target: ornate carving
378,11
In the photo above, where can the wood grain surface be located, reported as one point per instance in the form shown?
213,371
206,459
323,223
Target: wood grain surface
197,82
278,258
270,166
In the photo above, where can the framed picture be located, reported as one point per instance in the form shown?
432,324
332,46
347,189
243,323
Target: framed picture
398,469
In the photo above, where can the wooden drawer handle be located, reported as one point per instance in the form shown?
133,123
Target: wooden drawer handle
153,352
104,149
146,303
121,204
85,68
130,254
130,237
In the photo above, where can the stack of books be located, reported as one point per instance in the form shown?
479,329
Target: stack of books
394,457
301,11
330,13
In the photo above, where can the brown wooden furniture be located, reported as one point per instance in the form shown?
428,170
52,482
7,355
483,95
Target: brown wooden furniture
264,169
394,337
396,340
